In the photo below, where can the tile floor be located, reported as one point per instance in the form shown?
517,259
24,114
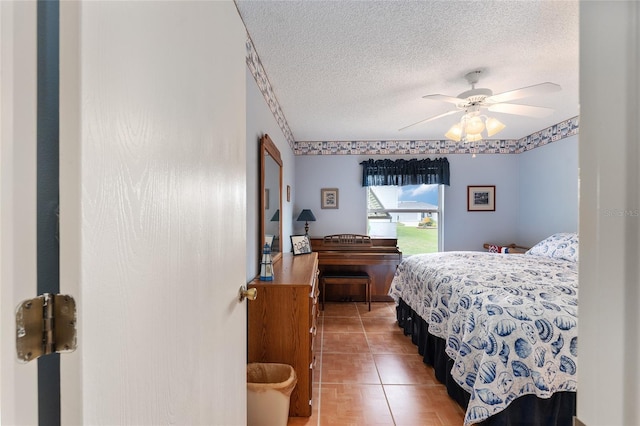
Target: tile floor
369,373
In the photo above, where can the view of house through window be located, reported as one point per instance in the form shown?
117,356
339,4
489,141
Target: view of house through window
412,214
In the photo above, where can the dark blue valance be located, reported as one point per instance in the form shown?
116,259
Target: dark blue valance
405,172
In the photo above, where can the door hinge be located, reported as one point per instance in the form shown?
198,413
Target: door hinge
45,325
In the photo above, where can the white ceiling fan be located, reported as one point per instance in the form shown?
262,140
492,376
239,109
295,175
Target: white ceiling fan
473,101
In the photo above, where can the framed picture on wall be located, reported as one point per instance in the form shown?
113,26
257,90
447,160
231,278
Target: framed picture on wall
300,244
481,198
329,198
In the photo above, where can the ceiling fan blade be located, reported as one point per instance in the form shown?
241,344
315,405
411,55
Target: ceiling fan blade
435,117
517,109
444,98
523,92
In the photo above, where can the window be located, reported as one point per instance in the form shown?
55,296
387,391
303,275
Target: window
413,214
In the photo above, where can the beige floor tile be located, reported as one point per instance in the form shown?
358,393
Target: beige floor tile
342,325
368,372
378,309
401,369
350,368
344,343
422,405
313,419
355,404
381,325
391,343
336,309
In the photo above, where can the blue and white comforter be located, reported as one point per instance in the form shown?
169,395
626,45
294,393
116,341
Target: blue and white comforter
510,322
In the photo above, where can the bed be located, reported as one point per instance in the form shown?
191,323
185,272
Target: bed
501,330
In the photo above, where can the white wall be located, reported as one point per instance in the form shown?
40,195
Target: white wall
548,191
260,120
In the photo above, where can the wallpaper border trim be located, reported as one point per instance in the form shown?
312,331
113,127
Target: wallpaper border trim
562,130
260,76
546,136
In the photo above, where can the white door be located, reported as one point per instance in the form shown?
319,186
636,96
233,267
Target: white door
152,216
18,88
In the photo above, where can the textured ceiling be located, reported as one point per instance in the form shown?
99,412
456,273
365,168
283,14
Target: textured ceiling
357,70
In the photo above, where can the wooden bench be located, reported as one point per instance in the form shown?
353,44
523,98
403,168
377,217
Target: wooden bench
347,278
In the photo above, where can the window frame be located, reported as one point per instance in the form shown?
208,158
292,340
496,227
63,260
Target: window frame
439,211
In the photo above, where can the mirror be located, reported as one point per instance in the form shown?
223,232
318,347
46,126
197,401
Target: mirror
270,197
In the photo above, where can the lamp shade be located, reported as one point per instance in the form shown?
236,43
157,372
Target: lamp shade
494,126
276,216
474,126
455,132
306,215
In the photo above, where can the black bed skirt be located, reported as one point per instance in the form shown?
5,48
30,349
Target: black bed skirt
526,410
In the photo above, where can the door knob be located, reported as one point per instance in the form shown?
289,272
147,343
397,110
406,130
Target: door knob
250,294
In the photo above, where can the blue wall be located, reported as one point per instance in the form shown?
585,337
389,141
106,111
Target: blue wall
548,193
536,191
260,121
536,195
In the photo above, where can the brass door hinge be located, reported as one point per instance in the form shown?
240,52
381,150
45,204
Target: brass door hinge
45,325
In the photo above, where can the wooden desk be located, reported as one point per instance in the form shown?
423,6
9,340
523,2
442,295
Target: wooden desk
379,260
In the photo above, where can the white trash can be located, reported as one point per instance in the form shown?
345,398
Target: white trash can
269,387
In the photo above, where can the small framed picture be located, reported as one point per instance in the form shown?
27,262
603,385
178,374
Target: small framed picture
481,198
329,198
300,244
266,198
288,193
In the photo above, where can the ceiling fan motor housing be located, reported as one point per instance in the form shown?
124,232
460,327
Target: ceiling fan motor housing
475,96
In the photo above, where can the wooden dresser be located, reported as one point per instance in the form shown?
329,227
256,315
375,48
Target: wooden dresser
282,323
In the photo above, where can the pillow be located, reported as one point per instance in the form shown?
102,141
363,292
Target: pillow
563,245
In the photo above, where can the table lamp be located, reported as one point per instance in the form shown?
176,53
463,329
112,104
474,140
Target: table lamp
307,216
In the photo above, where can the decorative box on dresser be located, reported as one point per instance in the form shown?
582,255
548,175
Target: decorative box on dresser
282,323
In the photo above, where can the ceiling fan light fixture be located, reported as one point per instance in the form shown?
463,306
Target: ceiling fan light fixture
474,125
471,126
493,126
455,132
473,137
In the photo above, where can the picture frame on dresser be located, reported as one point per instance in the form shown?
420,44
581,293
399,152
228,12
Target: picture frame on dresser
300,244
481,198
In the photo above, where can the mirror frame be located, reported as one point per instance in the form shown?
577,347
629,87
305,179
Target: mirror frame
267,147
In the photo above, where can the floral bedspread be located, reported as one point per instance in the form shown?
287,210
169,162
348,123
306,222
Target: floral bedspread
510,322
